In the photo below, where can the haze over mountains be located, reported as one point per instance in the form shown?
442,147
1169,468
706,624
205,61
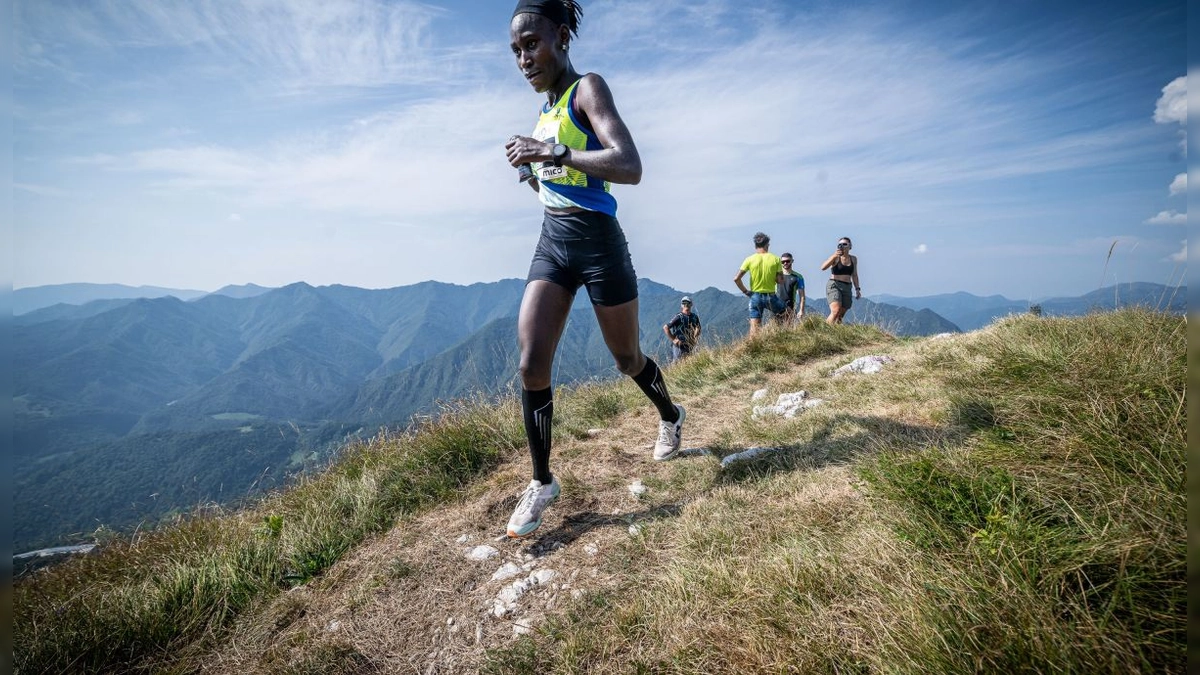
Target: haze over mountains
132,409
969,311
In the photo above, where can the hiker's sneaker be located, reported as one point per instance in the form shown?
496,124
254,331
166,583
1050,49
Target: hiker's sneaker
528,515
669,436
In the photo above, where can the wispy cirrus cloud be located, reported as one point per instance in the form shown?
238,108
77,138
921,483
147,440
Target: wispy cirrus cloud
288,45
42,190
859,116
374,119
391,165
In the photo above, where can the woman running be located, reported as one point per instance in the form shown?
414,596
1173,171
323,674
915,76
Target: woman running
579,146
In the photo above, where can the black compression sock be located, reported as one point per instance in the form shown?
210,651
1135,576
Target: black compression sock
538,410
652,384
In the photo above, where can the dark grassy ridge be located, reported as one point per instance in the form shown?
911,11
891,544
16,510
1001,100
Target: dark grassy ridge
144,603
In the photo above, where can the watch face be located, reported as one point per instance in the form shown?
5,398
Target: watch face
560,151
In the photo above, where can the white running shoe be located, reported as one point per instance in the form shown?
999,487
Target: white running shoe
669,436
528,515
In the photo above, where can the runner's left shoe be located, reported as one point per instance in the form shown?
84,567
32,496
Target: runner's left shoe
527,517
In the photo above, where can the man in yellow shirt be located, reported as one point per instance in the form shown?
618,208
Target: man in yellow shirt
766,272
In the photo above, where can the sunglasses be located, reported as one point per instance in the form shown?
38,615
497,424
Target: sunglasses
786,262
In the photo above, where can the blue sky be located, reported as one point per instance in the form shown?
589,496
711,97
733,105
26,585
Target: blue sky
987,147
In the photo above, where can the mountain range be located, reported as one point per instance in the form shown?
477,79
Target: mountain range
970,312
133,409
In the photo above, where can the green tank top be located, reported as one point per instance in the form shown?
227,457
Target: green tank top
563,186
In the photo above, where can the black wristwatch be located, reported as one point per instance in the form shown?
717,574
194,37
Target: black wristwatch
559,153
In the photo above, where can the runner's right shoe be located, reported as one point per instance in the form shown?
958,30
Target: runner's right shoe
528,515
670,436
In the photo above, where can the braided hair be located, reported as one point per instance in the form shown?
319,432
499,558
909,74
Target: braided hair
561,12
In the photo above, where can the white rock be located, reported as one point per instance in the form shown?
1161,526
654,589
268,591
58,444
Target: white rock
500,609
512,592
522,627
506,571
334,626
745,454
636,529
594,432
463,539
543,576
637,489
867,365
482,552
758,395
591,549
786,405
576,593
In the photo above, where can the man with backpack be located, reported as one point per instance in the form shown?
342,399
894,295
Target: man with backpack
684,330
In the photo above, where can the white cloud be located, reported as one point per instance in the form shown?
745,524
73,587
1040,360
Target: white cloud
1168,218
1179,185
1172,105
921,248
1180,255
235,217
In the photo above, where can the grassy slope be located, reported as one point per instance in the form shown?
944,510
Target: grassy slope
1006,500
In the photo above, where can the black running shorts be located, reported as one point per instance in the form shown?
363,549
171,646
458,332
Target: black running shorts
586,248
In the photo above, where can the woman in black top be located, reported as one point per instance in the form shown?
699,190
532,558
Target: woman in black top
844,273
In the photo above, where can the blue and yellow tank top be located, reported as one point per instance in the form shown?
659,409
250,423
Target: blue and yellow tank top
564,187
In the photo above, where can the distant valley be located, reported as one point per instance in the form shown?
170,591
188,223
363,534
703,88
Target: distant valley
132,409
